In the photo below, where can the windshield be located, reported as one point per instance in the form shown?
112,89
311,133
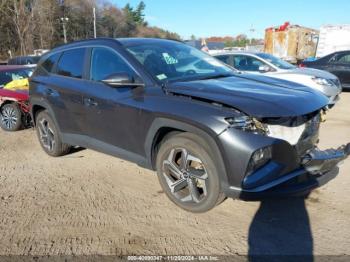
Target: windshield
276,61
172,61
17,74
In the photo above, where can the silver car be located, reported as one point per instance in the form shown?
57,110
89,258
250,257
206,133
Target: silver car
269,65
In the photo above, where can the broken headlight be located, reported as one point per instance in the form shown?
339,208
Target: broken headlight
246,123
259,158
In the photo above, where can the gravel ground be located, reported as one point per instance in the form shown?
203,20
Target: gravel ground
90,203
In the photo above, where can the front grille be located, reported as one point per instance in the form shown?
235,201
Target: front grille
301,132
291,134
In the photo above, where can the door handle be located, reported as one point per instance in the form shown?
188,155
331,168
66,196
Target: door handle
90,102
49,92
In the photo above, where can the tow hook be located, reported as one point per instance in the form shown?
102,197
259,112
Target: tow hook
323,115
319,162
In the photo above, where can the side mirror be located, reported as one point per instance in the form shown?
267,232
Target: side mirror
121,80
264,68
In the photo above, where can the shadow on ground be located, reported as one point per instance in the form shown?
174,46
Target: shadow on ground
281,227
73,152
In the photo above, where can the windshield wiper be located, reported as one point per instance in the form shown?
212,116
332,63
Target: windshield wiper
216,76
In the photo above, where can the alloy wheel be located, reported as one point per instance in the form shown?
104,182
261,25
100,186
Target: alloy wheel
186,176
9,117
47,135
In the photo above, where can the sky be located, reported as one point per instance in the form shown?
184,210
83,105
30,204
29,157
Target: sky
204,18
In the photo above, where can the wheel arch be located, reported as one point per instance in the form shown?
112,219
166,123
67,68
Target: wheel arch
5,102
162,127
38,106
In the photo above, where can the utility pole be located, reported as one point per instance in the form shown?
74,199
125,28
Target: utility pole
64,21
94,12
252,31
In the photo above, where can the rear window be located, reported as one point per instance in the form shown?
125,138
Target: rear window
24,60
71,63
33,60
12,61
16,74
49,63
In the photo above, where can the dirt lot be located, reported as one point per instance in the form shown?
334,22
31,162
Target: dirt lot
90,203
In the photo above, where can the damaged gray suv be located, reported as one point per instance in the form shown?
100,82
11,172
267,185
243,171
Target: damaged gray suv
208,131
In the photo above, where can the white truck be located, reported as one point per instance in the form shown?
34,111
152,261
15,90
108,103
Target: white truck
333,38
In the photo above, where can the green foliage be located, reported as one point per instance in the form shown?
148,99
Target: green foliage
39,24
229,43
136,15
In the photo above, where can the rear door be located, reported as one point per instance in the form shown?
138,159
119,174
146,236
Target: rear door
65,90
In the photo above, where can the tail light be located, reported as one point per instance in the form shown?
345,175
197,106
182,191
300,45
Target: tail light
301,65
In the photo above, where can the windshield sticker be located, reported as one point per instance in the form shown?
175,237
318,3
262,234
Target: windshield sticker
169,59
162,77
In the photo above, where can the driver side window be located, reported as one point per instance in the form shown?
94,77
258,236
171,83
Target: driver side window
345,59
105,62
247,63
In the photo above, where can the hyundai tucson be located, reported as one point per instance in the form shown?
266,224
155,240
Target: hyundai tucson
209,131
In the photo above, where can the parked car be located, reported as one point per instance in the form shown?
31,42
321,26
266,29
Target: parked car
14,97
262,63
9,73
24,60
337,63
210,133
14,109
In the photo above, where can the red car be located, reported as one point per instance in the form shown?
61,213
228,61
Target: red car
14,105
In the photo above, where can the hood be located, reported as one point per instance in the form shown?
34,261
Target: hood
257,96
309,72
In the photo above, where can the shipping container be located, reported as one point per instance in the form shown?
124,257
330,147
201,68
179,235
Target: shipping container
292,43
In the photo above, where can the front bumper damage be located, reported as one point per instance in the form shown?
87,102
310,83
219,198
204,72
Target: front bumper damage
318,167
285,175
319,162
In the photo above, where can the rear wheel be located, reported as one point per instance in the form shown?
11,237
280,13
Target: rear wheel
49,136
11,117
188,173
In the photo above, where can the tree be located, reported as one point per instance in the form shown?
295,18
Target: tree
139,15
136,16
18,12
26,25
229,43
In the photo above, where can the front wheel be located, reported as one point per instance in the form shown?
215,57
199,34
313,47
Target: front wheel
188,173
10,117
49,136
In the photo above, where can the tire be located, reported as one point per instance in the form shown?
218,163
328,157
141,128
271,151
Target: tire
11,117
49,136
194,184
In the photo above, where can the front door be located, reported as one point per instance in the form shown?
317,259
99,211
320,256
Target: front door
112,113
